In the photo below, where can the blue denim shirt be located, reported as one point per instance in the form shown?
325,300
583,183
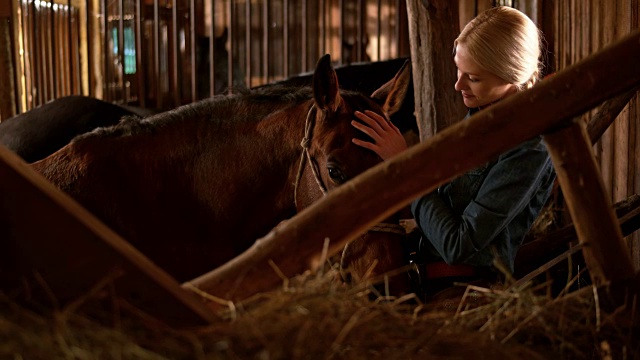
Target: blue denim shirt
489,209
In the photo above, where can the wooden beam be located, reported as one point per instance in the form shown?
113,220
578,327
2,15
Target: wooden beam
589,204
55,250
391,185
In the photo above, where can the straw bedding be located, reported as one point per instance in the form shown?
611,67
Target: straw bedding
315,317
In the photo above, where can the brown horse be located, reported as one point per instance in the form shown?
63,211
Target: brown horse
194,187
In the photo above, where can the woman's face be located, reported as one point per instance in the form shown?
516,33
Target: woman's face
478,86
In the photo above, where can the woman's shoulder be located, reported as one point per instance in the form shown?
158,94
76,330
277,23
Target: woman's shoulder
531,147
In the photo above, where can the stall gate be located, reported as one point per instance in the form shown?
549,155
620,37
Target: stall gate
164,53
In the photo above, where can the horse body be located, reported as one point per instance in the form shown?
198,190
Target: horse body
174,201
193,187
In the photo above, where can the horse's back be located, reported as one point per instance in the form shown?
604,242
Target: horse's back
39,132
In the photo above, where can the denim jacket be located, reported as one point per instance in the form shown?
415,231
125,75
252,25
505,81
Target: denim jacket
489,209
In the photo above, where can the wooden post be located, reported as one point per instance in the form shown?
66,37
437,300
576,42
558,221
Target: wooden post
590,207
432,29
388,187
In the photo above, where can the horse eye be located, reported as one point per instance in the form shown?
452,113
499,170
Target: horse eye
336,174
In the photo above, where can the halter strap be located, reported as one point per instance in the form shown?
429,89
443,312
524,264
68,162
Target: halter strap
305,155
306,144
389,228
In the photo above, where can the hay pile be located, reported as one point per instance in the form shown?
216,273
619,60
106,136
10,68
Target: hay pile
313,317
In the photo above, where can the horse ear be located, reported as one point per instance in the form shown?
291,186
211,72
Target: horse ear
325,85
395,90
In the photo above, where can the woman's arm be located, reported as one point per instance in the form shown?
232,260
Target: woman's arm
506,191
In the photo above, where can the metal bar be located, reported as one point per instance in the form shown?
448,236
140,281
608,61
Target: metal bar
359,43
285,35
80,73
106,52
230,25
17,57
22,88
56,28
140,63
54,70
51,46
343,57
303,42
379,31
72,50
65,72
212,42
248,36
65,62
156,54
68,62
40,57
77,54
90,60
57,73
192,48
175,52
323,28
32,81
43,37
265,42
123,95
396,31
50,39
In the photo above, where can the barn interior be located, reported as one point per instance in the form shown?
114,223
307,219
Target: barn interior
71,286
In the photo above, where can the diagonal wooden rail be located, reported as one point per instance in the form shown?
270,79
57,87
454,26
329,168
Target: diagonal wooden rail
379,192
57,251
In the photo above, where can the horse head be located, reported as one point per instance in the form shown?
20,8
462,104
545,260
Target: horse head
330,159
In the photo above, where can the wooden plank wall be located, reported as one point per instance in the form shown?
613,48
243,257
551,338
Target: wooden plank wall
581,28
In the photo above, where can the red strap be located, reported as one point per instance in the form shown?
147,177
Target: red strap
442,269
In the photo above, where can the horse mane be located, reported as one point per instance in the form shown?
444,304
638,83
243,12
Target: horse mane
223,109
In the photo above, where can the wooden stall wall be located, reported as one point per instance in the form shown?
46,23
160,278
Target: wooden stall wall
165,53
581,28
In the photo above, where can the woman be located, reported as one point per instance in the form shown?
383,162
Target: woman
484,214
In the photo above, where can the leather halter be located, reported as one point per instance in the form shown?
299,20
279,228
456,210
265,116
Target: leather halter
305,144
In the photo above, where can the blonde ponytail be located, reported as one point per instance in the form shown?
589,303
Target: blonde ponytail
505,42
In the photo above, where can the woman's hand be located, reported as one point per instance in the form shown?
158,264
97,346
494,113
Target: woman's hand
388,140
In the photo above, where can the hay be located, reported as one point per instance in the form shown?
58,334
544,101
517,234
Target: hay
313,317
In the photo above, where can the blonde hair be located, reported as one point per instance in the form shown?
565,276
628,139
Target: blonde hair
505,42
